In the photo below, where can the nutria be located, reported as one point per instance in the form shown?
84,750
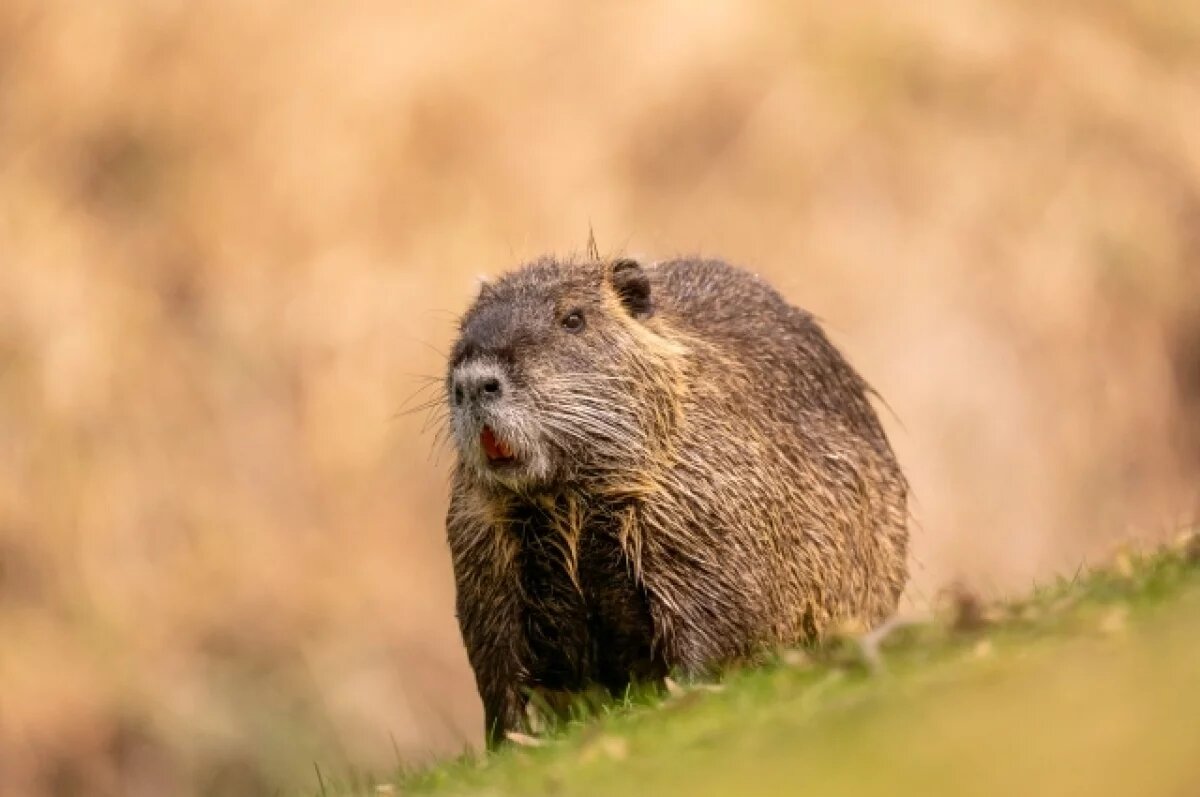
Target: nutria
660,467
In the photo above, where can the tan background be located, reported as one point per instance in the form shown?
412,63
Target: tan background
234,236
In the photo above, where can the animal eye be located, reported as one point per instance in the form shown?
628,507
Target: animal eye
573,320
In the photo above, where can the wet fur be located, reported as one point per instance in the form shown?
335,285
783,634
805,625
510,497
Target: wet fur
711,481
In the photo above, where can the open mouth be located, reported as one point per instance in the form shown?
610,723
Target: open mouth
497,451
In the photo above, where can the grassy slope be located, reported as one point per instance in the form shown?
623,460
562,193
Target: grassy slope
1087,687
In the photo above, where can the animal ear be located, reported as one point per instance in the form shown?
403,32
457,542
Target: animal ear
632,284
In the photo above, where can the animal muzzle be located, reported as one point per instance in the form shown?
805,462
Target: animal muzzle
476,384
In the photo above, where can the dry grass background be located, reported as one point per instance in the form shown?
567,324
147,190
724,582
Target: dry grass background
233,236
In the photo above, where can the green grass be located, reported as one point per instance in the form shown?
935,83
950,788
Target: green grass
1090,686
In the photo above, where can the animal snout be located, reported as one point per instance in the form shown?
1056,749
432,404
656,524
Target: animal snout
478,383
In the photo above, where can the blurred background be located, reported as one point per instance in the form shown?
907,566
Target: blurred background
234,238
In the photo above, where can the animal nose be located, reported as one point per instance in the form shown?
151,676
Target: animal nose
478,384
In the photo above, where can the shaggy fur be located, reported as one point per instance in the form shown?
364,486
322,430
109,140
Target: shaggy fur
697,476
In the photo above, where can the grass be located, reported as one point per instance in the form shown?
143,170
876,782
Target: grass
1087,686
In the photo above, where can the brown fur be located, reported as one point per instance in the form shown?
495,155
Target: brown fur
700,477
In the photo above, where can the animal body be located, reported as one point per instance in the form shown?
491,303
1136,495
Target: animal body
660,467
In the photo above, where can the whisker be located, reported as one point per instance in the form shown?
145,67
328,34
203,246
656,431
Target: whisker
429,404
417,394
432,419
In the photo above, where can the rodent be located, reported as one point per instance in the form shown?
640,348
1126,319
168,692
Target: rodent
660,467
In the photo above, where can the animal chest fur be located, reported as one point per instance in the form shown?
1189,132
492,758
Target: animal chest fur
586,619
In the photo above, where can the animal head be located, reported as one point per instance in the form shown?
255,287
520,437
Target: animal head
560,374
